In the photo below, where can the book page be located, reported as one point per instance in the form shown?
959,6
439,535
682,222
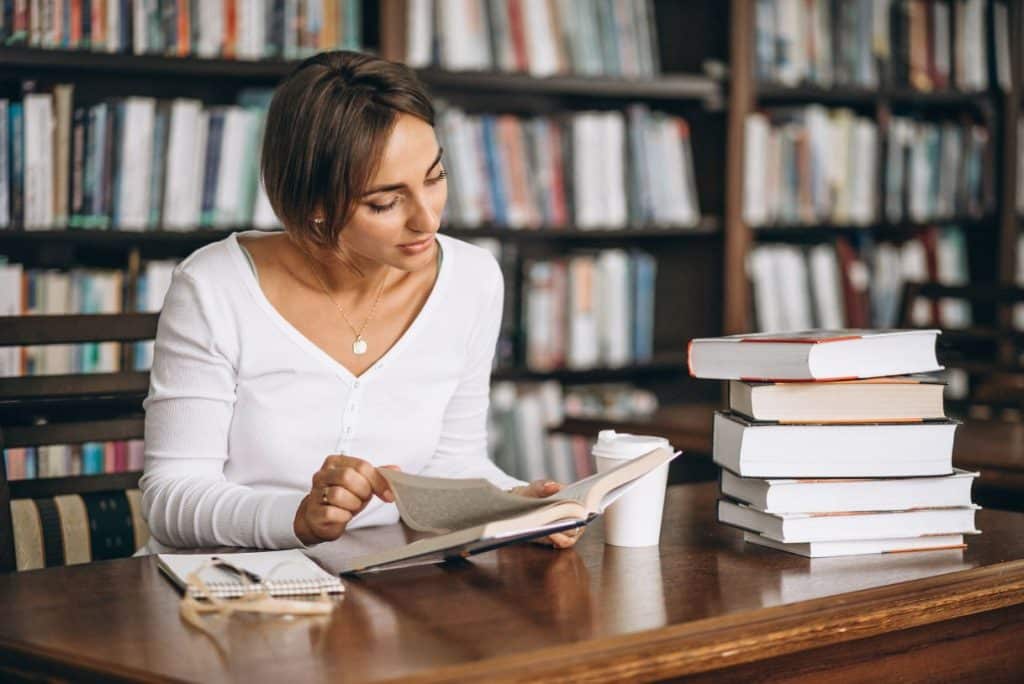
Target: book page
438,504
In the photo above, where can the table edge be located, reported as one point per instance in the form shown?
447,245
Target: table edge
729,640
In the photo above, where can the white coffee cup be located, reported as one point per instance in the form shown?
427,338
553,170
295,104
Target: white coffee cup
635,518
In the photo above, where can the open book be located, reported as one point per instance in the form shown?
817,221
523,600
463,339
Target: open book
468,516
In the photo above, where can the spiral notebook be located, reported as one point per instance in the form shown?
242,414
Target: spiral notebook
299,576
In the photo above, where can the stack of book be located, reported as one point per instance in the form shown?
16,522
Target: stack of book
838,448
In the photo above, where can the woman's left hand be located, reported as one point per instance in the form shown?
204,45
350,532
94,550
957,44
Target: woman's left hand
540,489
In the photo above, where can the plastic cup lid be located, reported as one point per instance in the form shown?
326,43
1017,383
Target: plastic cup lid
612,444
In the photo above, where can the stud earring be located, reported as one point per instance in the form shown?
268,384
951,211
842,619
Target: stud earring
318,222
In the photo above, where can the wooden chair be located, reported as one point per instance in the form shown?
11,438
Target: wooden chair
75,519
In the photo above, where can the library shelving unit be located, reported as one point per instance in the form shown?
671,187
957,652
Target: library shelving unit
993,237
74,408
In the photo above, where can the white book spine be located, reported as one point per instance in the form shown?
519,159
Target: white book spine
616,212
230,171
136,162
113,21
419,33
5,200
181,165
197,176
755,171
542,55
211,29
39,133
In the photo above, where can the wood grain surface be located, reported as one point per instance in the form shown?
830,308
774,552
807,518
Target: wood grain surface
703,603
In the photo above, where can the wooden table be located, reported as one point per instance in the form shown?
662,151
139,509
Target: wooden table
701,604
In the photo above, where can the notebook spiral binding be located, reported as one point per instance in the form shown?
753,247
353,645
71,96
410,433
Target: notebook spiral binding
275,588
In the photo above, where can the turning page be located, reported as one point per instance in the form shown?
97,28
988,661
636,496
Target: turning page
440,504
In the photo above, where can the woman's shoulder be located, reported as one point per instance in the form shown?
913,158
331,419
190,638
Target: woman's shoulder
474,268
213,263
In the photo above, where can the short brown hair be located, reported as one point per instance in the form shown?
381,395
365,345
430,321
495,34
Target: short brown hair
325,132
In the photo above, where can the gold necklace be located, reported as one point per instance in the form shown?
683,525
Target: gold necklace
359,346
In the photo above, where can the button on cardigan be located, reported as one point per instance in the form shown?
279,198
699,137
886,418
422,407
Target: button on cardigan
242,408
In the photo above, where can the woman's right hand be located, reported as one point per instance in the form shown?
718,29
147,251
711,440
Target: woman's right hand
341,489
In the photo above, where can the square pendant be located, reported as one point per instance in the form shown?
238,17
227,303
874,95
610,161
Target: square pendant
359,346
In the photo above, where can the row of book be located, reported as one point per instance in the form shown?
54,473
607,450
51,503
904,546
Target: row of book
937,171
139,163
60,460
832,286
589,309
836,467
522,415
539,37
926,45
586,169
131,163
810,165
78,291
229,29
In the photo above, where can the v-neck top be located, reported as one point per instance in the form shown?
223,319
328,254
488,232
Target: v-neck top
243,409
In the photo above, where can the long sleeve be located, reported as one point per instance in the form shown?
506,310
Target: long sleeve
186,498
462,450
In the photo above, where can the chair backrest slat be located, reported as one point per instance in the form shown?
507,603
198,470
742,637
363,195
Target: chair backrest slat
61,329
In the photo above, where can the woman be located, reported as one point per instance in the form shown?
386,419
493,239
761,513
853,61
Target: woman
290,367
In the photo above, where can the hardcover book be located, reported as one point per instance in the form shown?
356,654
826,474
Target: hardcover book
903,398
814,355
757,449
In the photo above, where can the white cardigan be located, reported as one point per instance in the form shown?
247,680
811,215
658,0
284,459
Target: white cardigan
242,408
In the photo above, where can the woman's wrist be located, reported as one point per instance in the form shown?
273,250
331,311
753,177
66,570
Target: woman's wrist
301,527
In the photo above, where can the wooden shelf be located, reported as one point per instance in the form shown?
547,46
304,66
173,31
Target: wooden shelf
671,87
842,95
882,230
40,487
664,364
709,227
74,432
115,238
76,388
45,60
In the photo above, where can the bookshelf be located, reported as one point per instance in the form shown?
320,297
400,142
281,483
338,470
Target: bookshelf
992,237
103,406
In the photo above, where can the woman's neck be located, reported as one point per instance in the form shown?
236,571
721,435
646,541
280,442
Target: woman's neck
344,274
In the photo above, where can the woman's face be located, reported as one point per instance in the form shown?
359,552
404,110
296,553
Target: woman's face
396,221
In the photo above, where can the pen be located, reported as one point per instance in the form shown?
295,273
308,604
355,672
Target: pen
252,576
